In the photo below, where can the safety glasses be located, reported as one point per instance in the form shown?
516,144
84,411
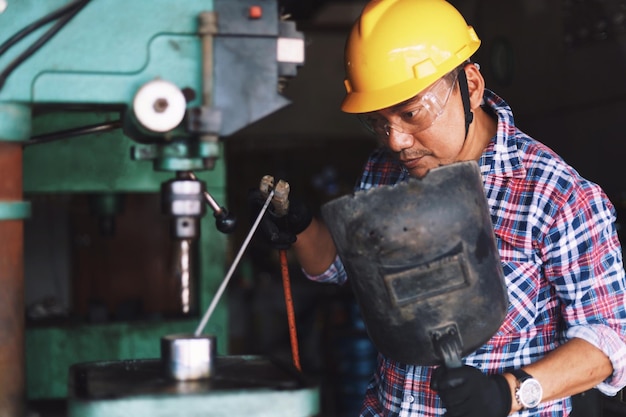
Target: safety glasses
417,113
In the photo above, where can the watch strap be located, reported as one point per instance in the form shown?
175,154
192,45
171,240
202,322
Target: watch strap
520,375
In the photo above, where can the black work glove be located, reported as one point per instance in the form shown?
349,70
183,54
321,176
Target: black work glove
279,231
467,392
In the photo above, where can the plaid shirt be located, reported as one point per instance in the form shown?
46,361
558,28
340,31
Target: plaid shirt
562,263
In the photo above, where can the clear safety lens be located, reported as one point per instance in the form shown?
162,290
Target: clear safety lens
417,113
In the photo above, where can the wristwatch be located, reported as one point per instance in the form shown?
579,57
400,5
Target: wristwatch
528,391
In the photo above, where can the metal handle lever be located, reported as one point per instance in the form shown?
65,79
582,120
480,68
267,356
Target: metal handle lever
225,222
448,345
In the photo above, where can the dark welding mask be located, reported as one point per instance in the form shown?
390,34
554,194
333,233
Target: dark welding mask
423,264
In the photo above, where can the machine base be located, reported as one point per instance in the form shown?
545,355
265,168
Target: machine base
242,386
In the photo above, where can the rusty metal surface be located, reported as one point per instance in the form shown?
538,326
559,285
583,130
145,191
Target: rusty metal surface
12,381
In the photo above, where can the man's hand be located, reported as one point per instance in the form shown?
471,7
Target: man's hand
280,230
467,392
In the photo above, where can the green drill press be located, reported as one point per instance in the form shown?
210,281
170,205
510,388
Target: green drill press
111,97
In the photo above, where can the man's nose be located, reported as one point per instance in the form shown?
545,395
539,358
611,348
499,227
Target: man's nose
398,141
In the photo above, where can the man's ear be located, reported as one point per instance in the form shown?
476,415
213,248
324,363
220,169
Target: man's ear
475,85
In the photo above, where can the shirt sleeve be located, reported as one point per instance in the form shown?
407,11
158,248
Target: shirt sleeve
335,274
608,341
585,267
381,168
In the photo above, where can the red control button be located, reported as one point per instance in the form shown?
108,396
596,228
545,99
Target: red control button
255,12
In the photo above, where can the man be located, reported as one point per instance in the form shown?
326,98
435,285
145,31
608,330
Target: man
410,80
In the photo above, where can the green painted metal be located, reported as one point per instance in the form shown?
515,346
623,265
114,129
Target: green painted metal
252,403
104,57
51,350
101,163
12,210
15,122
89,73
178,156
94,163
100,60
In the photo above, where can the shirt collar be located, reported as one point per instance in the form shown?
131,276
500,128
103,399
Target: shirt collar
501,157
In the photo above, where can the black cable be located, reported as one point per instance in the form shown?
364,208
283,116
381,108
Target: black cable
22,33
69,14
79,131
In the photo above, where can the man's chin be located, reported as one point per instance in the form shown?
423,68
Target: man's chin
419,172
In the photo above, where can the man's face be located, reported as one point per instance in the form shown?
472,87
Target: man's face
439,144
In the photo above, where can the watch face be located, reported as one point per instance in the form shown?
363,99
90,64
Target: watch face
530,393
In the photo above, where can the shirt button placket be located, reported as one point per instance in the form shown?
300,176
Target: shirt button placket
408,399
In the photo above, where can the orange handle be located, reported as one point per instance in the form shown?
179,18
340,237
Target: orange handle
291,317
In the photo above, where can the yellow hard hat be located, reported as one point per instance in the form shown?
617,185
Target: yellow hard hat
397,48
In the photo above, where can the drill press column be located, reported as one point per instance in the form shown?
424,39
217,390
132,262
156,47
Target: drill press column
12,381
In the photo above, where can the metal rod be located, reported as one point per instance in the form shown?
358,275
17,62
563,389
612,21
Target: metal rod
207,28
78,131
217,209
229,274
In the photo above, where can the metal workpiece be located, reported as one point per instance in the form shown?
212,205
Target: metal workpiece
241,386
188,357
422,260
